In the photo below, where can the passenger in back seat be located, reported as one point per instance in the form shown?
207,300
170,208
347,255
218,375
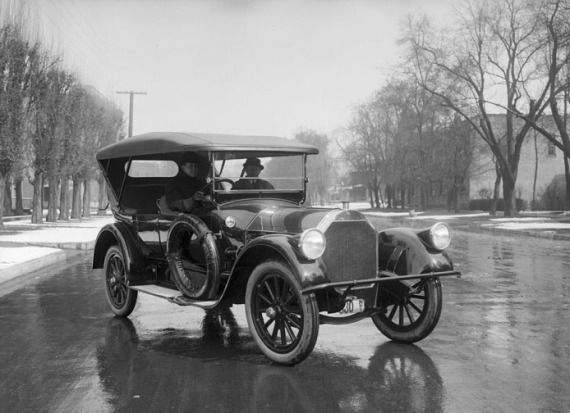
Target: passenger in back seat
184,193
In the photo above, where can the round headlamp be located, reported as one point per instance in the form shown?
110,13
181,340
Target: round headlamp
312,243
440,236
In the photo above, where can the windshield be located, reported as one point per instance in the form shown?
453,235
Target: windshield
265,173
241,174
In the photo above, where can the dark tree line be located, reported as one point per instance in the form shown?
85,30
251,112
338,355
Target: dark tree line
409,149
51,125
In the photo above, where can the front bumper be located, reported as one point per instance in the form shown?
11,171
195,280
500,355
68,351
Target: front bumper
383,276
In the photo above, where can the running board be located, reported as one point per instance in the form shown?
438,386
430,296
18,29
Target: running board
174,296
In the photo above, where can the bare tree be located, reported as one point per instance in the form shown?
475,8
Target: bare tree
457,150
319,169
488,62
366,152
554,18
45,144
16,57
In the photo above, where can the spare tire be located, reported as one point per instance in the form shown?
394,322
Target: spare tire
193,258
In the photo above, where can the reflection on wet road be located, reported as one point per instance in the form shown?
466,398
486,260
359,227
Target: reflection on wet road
502,344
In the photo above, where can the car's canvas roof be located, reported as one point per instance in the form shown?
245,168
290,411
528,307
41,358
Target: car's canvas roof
168,142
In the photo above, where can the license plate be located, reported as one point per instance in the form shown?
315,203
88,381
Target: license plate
353,305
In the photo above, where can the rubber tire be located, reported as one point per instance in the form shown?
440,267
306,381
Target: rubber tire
126,308
307,302
194,225
421,330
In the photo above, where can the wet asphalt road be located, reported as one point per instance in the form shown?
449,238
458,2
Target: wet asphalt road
502,345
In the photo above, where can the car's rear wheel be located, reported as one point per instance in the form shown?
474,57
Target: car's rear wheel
120,297
410,312
284,323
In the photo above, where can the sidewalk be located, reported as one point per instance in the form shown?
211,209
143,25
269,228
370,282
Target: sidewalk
26,247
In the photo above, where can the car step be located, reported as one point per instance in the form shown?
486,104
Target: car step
174,296
158,291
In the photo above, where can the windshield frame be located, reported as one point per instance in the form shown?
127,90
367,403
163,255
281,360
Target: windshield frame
223,195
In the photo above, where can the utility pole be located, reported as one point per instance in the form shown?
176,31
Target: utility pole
131,94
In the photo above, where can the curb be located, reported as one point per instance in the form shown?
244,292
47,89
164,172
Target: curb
85,246
14,276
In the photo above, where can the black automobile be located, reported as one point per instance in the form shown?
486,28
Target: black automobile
293,267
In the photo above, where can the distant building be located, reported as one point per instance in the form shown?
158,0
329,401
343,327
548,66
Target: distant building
540,161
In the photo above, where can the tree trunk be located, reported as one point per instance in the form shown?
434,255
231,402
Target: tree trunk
64,199
19,197
424,196
370,195
534,206
103,201
509,198
2,192
52,199
380,197
86,198
7,203
567,173
390,195
37,201
76,203
376,195
496,191
402,196
456,187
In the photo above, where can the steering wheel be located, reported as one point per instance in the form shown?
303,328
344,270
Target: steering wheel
229,181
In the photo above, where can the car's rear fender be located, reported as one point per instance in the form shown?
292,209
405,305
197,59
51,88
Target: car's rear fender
272,247
402,251
119,234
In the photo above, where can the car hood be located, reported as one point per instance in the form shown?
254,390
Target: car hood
268,215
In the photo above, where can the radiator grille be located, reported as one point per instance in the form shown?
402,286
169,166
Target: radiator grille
351,252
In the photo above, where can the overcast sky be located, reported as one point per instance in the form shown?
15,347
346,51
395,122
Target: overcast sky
233,66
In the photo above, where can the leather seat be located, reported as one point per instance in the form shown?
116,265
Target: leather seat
163,207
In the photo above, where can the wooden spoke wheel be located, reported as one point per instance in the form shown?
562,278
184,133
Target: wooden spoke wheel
283,322
412,312
120,297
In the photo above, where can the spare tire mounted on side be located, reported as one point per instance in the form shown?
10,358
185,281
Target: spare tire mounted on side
193,257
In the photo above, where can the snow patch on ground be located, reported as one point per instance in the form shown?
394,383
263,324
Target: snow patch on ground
523,219
454,216
12,256
390,214
24,241
530,225
52,235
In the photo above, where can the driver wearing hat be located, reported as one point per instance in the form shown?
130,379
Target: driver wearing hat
252,168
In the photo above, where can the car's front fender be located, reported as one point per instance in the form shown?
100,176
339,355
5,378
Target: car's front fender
268,247
403,252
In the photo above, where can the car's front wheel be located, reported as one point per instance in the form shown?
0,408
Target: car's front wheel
120,297
284,323
410,312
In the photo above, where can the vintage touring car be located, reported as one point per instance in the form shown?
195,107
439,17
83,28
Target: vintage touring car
292,266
